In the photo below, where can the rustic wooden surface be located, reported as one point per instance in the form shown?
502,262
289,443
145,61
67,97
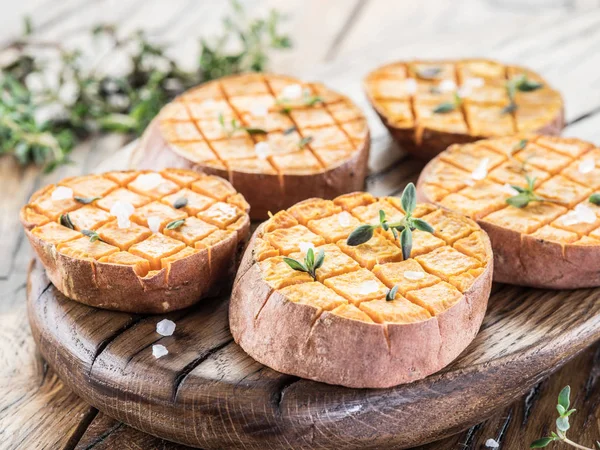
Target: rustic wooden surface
208,393
337,41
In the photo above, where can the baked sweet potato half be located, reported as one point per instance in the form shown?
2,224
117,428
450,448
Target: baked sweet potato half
278,140
365,317
429,105
534,197
137,241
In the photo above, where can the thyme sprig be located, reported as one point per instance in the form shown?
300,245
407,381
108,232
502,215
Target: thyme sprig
520,83
526,195
40,122
562,424
307,100
446,107
402,228
429,73
311,263
234,126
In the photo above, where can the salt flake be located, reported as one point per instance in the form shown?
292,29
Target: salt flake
482,169
291,92
62,193
474,82
492,443
368,287
581,214
447,86
304,246
414,275
165,327
122,211
158,351
259,110
587,165
262,150
344,219
154,223
410,85
148,181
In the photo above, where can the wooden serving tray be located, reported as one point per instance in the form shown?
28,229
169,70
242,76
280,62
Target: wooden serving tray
207,392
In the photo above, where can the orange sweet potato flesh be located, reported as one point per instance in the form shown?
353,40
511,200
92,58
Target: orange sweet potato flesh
536,245
405,94
131,268
188,134
339,328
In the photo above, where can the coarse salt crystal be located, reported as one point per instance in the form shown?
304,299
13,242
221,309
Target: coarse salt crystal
158,351
259,110
492,443
122,211
62,193
507,188
291,92
154,223
581,214
587,165
410,85
148,181
447,86
304,246
368,287
474,82
414,275
165,327
344,219
482,169
262,150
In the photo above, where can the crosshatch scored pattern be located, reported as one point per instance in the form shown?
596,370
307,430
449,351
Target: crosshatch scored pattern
353,281
214,213
192,125
407,100
555,164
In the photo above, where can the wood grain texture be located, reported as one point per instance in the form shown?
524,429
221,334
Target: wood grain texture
207,392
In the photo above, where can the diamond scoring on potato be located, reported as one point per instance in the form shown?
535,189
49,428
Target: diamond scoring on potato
213,212
523,170
354,281
463,97
263,123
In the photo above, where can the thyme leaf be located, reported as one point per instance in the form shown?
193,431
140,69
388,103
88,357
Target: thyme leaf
92,235
595,199
391,294
180,202
175,224
86,200
65,221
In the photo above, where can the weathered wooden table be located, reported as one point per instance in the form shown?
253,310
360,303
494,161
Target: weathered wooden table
336,41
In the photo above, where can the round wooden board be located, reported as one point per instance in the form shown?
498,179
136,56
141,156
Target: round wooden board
208,393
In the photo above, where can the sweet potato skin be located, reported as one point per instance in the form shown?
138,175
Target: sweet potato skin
117,287
264,192
294,339
527,261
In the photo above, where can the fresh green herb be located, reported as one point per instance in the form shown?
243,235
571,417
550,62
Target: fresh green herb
595,199
42,124
429,73
519,146
447,107
92,235
311,264
562,424
65,221
404,227
235,127
86,200
175,224
519,83
391,295
307,100
305,141
526,195
290,130
180,202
